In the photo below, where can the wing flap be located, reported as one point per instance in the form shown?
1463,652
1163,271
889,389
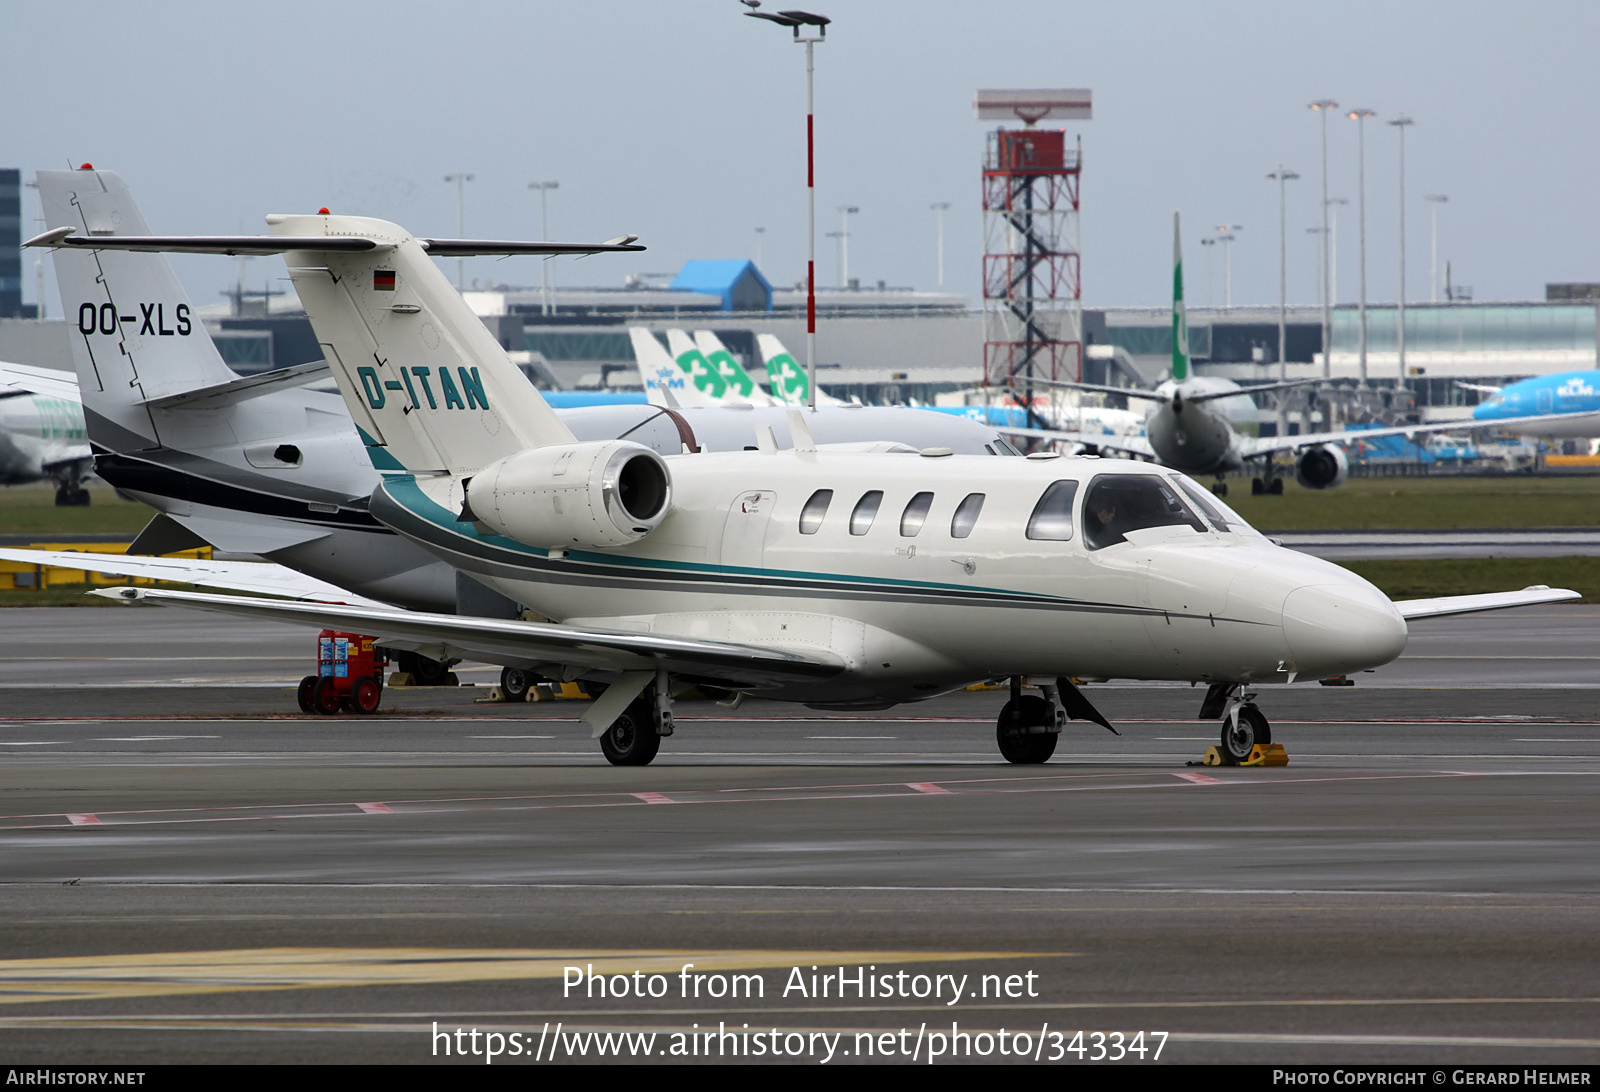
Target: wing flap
518,643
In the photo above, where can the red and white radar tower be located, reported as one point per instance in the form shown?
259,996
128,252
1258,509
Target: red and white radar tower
1032,292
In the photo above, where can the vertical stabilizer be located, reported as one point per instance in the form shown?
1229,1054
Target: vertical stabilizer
425,381
665,383
785,377
135,335
1180,318
741,387
697,370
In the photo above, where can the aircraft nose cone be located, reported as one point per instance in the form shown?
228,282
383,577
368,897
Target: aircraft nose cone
1336,629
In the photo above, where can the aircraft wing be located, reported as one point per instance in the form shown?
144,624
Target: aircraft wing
1252,448
259,577
1131,445
1411,609
524,644
47,381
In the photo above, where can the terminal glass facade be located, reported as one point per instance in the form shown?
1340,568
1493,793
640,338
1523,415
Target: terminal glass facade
1479,328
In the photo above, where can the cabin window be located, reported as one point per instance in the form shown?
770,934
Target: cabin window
966,515
866,511
1052,516
1119,503
915,515
817,507
1202,500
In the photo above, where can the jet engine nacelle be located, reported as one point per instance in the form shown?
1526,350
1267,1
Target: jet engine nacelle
1322,467
595,494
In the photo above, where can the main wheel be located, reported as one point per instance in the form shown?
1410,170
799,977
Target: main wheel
1275,487
1220,489
364,696
632,740
72,498
325,697
303,692
1252,729
515,682
1257,487
1017,744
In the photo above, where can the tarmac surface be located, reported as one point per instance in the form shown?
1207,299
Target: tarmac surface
1417,545
191,870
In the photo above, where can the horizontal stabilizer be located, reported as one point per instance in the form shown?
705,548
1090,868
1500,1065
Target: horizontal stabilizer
280,244
241,390
1411,609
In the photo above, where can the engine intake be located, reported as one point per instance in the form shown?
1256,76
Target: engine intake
1322,467
597,494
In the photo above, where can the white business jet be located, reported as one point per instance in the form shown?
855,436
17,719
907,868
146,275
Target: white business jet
837,580
260,464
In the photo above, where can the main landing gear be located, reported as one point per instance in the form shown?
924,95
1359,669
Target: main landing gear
1029,725
635,712
1271,486
1243,726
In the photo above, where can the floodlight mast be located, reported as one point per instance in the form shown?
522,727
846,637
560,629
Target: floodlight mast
795,20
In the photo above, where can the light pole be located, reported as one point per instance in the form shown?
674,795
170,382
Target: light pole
1226,236
939,209
795,20
460,178
845,212
760,231
1401,124
1282,176
1334,204
1209,243
546,304
838,256
1322,106
1361,117
1435,200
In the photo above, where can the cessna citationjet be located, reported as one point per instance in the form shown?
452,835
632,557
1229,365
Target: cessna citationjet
837,580
260,464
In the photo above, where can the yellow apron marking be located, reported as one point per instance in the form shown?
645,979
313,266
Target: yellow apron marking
155,974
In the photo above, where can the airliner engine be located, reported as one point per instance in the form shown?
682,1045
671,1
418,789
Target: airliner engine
596,494
1321,467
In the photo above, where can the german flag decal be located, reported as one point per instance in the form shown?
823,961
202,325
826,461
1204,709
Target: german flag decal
383,280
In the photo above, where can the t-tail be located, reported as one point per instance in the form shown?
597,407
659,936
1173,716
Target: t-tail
135,336
1180,319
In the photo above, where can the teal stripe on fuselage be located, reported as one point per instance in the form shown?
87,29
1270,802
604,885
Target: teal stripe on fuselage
436,526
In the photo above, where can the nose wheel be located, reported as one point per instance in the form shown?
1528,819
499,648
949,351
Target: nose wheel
1243,725
1243,731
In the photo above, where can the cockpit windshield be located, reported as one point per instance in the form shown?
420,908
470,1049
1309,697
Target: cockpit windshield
1119,503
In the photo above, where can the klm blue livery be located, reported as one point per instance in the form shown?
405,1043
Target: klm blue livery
1565,393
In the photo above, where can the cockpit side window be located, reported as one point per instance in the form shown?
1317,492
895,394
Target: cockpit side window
1052,516
1202,500
1119,503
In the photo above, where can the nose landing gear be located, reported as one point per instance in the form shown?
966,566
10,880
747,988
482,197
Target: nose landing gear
1243,725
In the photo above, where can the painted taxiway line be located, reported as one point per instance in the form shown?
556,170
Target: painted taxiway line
103,820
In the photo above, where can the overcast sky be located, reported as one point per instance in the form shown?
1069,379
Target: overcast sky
683,121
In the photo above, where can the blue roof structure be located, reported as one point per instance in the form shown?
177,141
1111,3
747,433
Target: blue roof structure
738,282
